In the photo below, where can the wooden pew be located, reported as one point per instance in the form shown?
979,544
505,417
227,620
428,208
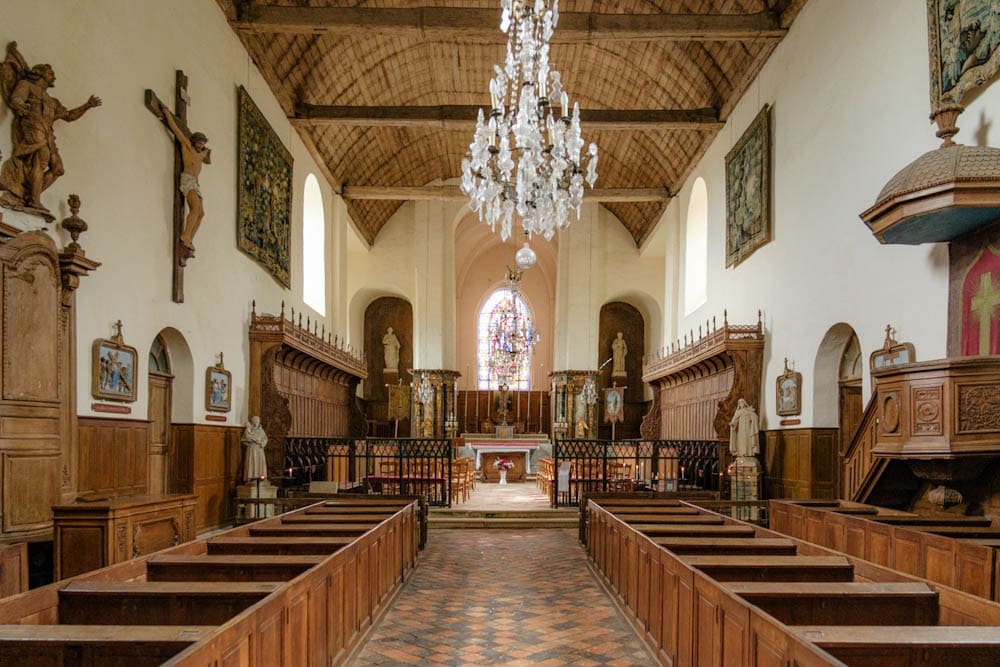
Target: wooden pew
294,519
167,567
878,646
278,546
842,603
310,529
773,568
625,510
700,519
350,509
157,603
96,645
654,529
746,546
978,521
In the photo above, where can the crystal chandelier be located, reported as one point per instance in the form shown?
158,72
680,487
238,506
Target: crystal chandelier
589,392
527,158
425,390
511,336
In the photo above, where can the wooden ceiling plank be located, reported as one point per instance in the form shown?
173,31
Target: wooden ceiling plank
454,193
450,23
461,117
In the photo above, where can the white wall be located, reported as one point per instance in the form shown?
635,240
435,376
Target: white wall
119,159
849,89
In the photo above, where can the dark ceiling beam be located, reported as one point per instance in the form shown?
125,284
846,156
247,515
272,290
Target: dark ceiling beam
454,193
481,25
459,117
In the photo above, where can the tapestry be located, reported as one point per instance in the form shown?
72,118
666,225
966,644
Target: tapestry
980,331
964,44
264,192
399,402
748,190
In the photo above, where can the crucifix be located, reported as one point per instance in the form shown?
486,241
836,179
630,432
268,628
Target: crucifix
190,155
984,305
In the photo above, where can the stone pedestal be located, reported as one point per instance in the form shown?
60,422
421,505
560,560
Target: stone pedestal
252,490
744,485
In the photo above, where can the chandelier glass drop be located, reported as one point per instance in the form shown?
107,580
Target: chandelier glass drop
528,156
511,336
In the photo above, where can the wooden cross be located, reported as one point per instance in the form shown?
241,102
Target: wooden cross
984,305
181,101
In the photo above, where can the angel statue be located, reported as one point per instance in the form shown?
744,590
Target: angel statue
34,163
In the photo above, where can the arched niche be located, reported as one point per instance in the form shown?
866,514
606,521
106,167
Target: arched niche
182,369
620,316
838,363
380,314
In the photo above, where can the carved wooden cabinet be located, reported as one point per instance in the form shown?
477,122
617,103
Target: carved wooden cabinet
92,535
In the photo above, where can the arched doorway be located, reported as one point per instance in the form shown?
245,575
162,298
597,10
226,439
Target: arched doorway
161,379
837,393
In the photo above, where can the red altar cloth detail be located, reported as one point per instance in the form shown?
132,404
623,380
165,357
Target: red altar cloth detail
980,298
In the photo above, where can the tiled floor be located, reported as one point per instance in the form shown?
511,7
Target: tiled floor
505,497
503,597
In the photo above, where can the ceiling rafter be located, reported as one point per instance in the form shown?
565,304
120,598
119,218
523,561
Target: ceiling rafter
454,193
480,25
460,117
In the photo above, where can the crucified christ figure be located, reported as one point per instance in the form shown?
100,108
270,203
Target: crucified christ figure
194,155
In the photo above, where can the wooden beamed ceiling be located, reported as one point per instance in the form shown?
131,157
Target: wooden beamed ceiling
385,94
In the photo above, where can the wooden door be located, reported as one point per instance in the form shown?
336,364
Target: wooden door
159,439
851,412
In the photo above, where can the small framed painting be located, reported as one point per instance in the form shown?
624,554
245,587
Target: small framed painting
218,388
789,396
115,369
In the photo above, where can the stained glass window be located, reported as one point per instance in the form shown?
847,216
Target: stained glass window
500,308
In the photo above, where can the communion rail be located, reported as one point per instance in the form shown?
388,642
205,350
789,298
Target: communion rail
603,466
392,466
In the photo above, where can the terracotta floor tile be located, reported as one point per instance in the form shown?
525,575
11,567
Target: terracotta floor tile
503,597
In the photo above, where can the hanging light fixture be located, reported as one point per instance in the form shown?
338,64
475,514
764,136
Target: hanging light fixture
425,390
527,157
589,391
510,334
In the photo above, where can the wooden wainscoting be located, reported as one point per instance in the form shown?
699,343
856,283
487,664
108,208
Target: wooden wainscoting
206,460
114,456
801,463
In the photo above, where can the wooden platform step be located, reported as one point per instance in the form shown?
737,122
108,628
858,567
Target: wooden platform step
106,645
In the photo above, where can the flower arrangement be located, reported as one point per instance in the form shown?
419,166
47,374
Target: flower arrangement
503,464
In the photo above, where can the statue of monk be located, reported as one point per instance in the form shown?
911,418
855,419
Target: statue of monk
255,440
743,431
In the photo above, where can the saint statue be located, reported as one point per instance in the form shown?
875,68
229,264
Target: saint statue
35,163
743,430
619,349
255,440
391,345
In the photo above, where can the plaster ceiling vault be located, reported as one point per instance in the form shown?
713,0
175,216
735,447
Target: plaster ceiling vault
383,93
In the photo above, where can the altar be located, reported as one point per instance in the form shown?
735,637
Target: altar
518,449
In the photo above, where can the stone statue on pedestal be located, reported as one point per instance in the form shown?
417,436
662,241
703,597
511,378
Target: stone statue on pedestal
391,345
619,350
743,431
255,440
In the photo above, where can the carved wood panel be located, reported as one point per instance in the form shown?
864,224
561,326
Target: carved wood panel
208,461
113,456
31,326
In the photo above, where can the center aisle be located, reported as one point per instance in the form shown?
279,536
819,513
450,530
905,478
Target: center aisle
503,597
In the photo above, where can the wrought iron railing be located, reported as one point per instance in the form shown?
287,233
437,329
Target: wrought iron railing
410,467
627,466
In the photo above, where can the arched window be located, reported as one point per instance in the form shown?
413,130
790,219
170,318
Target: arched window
696,249
159,360
502,307
313,247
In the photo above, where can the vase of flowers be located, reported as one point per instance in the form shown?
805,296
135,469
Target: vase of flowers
503,465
